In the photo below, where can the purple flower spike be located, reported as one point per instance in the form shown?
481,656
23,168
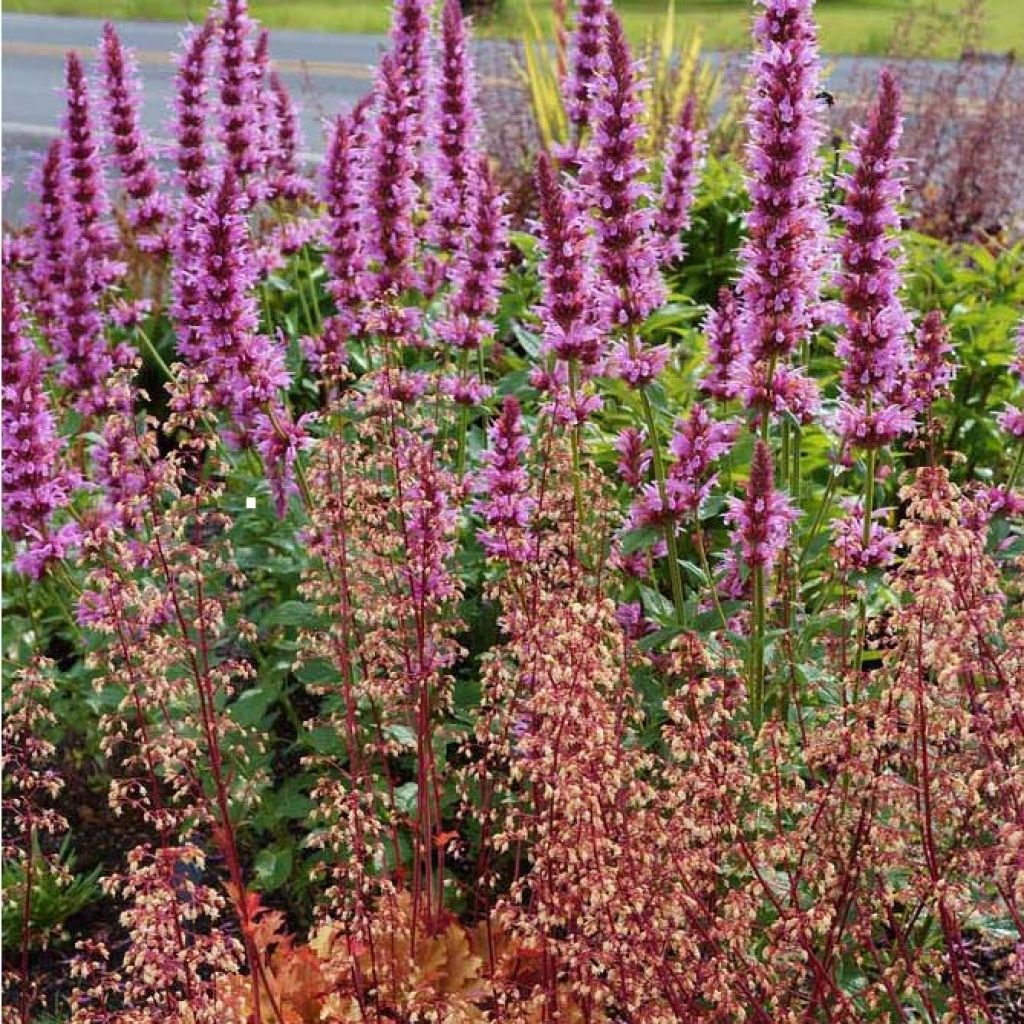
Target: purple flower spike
187,288
848,546
585,64
725,351
345,255
612,174
932,368
698,442
49,231
679,182
245,369
458,131
504,485
88,188
392,186
634,456
35,484
286,179
476,270
762,519
133,154
872,344
79,340
573,328
191,112
239,129
784,256
410,37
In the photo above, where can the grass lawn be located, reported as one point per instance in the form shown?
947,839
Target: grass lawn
847,26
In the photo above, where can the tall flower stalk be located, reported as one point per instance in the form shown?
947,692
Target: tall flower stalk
873,339
133,154
784,256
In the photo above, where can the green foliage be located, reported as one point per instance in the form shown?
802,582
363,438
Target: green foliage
58,894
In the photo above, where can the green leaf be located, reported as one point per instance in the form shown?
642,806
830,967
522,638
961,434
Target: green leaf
405,797
640,538
291,613
272,867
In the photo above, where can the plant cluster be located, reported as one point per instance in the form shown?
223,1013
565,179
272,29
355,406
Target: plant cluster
618,620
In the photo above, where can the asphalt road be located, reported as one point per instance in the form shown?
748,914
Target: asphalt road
324,72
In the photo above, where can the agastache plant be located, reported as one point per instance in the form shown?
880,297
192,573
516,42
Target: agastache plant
682,168
587,52
191,110
87,186
783,258
133,155
455,119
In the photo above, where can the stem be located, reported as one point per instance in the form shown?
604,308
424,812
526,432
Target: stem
575,443
757,654
463,416
153,354
869,495
670,529
698,534
1015,472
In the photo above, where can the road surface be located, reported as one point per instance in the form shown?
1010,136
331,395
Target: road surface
324,72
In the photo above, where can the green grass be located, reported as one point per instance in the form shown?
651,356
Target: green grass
847,26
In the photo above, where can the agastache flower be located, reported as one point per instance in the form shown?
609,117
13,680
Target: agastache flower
35,483
410,36
585,63
345,257
187,286
679,181
848,539
286,179
392,185
87,186
48,216
698,442
572,326
457,128
504,485
78,337
725,353
783,257
133,154
245,369
190,112
761,521
239,131
873,341
634,456
476,270
612,175
932,369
